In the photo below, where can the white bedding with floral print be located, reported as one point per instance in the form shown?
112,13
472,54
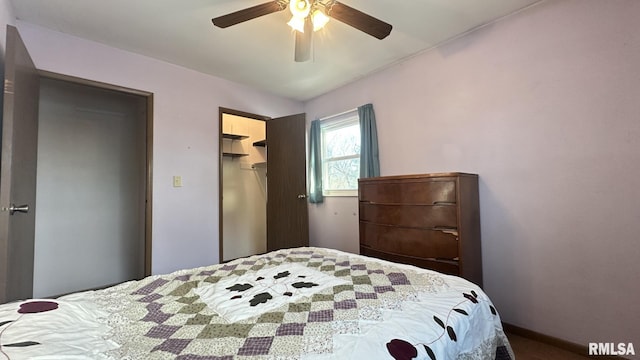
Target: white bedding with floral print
305,303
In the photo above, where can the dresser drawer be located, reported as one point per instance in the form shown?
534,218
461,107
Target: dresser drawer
409,241
419,191
443,266
418,216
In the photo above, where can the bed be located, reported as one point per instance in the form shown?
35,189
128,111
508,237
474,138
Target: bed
302,303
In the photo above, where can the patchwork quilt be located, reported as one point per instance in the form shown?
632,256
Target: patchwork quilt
304,303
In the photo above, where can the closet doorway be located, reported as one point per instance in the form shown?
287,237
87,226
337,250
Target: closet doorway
92,218
255,193
243,179
68,261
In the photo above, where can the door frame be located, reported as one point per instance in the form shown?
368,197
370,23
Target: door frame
221,112
148,96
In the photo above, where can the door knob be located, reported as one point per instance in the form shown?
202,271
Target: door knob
22,208
301,196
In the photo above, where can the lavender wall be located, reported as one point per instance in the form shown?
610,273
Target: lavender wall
185,135
6,18
543,105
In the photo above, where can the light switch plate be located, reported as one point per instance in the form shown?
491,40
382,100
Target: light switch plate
177,181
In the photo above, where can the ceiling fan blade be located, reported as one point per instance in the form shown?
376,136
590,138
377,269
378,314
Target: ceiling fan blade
359,20
248,14
303,42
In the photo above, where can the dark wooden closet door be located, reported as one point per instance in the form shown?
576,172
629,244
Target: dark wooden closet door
287,215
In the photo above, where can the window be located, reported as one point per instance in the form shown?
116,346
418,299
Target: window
340,137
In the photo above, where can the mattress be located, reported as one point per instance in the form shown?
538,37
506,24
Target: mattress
303,303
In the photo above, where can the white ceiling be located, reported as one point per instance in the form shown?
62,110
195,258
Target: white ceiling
259,52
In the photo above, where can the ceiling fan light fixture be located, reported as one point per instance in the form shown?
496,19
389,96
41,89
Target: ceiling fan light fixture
300,8
296,23
319,19
309,16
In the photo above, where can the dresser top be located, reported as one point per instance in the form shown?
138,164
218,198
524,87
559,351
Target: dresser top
419,176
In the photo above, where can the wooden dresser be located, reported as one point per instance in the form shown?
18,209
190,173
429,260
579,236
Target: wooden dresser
428,220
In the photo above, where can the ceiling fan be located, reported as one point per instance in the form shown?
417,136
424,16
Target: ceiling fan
309,16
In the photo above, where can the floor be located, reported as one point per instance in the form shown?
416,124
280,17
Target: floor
526,349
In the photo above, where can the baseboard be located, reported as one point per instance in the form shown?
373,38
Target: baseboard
553,341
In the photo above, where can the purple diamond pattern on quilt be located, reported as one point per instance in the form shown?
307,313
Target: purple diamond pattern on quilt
290,329
320,316
199,357
398,279
155,314
361,295
174,346
150,298
151,287
383,289
166,315
345,304
162,331
183,277
256,346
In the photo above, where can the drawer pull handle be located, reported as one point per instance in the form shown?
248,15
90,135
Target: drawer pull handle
444,203
447,230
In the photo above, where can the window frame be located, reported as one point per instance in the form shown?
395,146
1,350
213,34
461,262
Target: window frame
333,123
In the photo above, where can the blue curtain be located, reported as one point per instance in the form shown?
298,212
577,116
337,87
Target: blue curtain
369,158
315,164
